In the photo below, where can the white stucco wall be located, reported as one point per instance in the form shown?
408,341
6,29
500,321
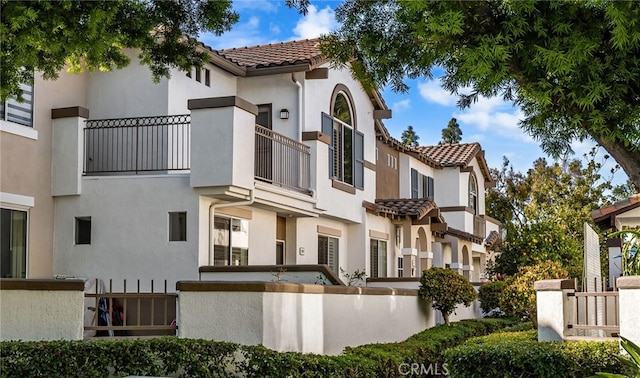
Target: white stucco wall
309,322
129,230
181,88
32,315
450,188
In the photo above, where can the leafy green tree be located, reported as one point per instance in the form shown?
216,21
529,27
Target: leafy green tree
47,36
489,295
445,289
409,137
572,66
544,211
452,133
518,297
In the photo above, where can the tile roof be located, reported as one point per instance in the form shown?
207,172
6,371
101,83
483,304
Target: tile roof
492,239
603,214
451,155
276,54
418,207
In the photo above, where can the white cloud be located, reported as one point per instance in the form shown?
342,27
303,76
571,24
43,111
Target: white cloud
432,91
274,28
474,137
267,6
243,34
315,23
402,105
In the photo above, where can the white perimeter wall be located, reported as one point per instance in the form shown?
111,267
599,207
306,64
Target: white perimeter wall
308,322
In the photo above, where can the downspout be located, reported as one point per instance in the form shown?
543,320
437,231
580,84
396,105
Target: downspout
212,209
297,83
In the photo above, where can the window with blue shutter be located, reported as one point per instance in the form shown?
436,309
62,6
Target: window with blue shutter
327,128
415,193
359,159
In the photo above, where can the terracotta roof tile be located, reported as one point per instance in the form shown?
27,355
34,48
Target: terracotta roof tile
492,239
616,208
451,155
418,207
276,54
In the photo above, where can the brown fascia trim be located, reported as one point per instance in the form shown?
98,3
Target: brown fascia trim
382,114
456,208
222,102
287,287
614,242
317,74
316,135
73,111
41,284
369,165
343,187
324,269
491,219
275,70
467,168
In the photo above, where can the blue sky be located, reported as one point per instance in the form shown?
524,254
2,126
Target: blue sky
427,107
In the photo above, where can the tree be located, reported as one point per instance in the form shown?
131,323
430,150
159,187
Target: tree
572,66
544,211
489,296
409,137
445,289
518,297
47,36
452,133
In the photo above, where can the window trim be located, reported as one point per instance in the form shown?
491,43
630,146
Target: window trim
19,207
76,228
337,252
473,196
378,272
230,235
422,186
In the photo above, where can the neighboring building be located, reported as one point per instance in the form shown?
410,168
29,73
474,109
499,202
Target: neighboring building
265,156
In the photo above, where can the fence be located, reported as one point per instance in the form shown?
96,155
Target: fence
282,161
131,314
595,313
134,145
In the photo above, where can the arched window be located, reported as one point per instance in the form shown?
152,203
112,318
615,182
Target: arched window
346,151
473,194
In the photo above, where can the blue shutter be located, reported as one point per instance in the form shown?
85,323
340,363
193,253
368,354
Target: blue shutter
327,128
414,184
358,168
430,188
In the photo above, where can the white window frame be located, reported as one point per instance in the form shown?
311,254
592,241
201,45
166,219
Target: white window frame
336,258
230,241
378,263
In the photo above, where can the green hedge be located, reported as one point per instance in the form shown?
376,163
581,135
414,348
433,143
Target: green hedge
519,354
201,358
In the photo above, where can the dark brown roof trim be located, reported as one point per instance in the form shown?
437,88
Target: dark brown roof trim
41,284
317,74
280,69
73,111
316,135
287,287
343,187
324,269
369,165
222,102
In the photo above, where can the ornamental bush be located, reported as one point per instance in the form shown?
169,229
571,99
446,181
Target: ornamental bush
519,354
518,298
446,289
489,296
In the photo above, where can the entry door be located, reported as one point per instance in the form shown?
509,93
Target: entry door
264,145
13,241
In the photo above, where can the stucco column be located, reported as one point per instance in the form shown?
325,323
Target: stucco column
554,308
223,133
614,246
67,150
629,307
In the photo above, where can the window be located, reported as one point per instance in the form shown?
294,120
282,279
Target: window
346,150
83,230
13,242
400,267
280,254
19,112
178,226
473,194
198,74
421,186
378,261
230,241
392,161
328,252
207,77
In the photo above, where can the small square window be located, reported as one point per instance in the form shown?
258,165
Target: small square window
83,230
207,77
198,75
178,226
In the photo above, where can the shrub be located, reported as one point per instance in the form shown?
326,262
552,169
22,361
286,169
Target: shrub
519,354
446,289
518,297
489,295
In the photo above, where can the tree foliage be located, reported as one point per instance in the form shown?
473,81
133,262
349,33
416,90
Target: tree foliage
445,289
544,211
47,36
572,66
452,133
518,297
489,296
409,137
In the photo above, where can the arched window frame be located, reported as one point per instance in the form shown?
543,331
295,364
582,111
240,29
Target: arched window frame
473,193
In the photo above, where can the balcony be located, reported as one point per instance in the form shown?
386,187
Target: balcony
162,145
479,227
